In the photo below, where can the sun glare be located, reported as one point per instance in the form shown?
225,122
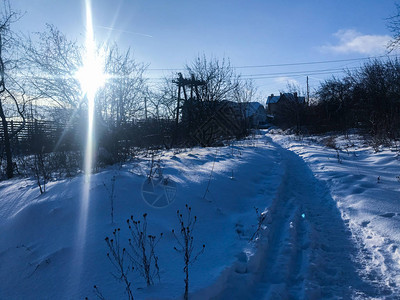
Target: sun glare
91,77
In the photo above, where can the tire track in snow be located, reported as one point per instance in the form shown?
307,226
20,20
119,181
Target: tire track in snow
283,260
300,246
307,251
329,269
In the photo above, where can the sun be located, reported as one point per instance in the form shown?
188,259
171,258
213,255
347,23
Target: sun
91,75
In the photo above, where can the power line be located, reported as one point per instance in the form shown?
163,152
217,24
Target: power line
315,62
296,72
283,74
289,64
299,75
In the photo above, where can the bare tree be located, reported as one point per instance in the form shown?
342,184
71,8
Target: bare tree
166,99
153,104
293,87
52,61
394,27
207,89
8,66
122,99
221,83
221,79
243,94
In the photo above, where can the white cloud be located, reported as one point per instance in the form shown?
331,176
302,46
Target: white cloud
286,80
352,41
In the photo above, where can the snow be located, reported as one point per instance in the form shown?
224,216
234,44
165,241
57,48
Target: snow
366,190
273,99
252,108
331,228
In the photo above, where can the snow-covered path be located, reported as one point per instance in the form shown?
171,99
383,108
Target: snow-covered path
307,251
331,229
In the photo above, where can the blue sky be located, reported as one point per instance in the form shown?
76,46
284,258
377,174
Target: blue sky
168,34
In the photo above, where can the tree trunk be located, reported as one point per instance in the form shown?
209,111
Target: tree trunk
7,144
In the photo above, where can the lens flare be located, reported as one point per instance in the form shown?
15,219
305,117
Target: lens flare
91,77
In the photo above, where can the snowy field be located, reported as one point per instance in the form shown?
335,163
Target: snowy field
331,224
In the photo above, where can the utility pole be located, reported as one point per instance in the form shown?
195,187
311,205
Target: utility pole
145,108
182,83
308,93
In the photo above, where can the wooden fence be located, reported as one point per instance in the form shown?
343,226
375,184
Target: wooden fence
51,136
44,134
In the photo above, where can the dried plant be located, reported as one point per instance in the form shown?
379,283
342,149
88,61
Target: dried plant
117,258
142,250
261,216
185,243
111,193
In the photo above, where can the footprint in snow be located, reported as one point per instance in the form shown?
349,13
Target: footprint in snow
365,223
358,190
388,215
175,158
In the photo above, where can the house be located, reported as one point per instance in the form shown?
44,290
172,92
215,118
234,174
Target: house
230,112
275,104
255,113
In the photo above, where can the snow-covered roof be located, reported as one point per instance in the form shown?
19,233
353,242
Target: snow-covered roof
275,99
252,108
248,108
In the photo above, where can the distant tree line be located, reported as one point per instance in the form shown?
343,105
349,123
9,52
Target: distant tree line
367,98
